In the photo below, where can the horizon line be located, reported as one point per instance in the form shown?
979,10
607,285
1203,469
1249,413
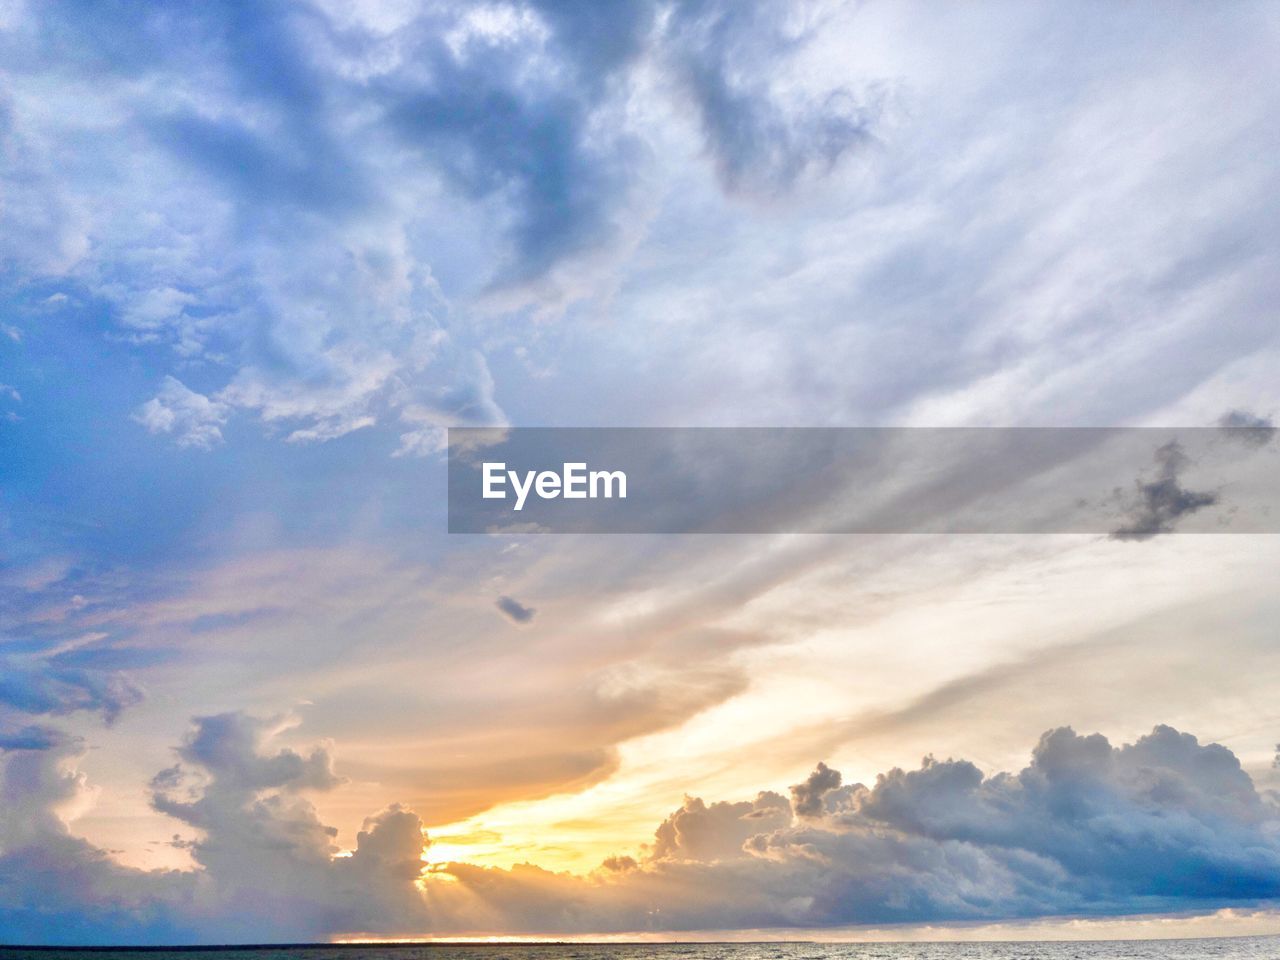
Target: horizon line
552,942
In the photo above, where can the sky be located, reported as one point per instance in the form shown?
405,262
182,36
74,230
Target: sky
255,260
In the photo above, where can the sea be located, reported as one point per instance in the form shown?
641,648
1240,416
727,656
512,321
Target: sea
1225,948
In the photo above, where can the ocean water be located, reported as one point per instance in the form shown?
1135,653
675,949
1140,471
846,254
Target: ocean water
1227,948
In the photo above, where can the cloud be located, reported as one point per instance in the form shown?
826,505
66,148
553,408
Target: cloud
466,402
228,748
807,797
30,738
698,831
1162,502
62,684
492,135
1163,824
310,208
41,788
1247,428
760,141
267,865
192,418
261,225
514,610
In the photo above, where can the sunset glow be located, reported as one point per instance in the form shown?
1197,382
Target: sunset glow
638,471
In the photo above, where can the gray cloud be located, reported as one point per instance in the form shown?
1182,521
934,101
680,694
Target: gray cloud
227,747
31,738
1164,823
61,685
514,610
1247,428
58,887
496,125
1086,828
698,831
492,135
298,267
267,865
1162,502
759,143
807,797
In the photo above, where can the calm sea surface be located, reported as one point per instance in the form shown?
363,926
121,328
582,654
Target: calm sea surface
1235,948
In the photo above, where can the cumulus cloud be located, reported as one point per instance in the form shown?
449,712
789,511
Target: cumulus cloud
267,867
807,797
514,610
58,887
41,788
193,419
227,747
1165,823
698,831
1086,828
262,843
1160,503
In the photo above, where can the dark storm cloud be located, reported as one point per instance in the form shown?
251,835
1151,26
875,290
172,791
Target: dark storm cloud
514,610
1162,502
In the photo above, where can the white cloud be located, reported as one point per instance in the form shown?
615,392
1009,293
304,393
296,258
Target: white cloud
193,419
